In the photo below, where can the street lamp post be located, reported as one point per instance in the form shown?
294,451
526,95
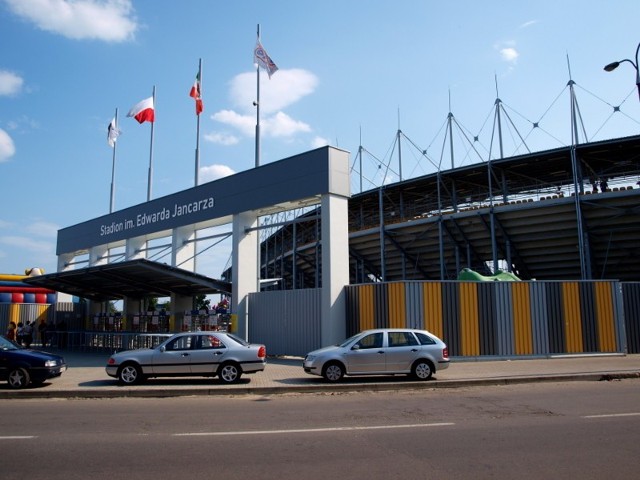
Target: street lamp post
612,66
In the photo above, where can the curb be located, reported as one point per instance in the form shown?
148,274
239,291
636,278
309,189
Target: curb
129,392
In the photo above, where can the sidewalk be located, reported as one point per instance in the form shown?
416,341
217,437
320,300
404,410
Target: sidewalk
86,378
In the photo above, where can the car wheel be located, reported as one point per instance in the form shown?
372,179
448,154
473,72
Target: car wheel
129,374
18,378
422,370
229,372
333,372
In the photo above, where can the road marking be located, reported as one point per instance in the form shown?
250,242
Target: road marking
612,415
17,437
311,430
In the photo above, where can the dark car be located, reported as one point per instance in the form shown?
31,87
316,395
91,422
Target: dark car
21,366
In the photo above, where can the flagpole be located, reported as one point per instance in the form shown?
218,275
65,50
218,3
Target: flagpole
151,150
113,167
257,104
198,125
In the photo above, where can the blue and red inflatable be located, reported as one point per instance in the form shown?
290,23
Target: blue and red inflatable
14,290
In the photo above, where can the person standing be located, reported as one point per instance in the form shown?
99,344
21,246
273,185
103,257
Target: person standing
27,334
11,331
20,333
42,332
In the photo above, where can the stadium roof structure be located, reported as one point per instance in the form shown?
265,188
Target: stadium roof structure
520,214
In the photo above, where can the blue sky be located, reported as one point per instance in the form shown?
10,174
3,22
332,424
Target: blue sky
348,70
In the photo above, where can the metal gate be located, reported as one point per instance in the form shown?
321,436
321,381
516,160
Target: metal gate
287,322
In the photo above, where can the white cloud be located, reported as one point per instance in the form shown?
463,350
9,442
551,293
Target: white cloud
107,20
528,24
43,229
221,138
29,244
23,123
509,54
282,125
7,148
10,83
214,172
279,125
283,89
318,142
244,123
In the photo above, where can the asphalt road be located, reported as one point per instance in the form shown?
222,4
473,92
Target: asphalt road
585,430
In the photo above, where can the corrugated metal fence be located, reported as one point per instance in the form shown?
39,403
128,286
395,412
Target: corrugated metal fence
505,319
498,318
286,321
23,312
631,295
73,314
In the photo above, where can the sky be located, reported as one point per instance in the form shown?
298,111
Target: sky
351,74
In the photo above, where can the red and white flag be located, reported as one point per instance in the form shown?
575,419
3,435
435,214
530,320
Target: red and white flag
196,95
143,111
261,57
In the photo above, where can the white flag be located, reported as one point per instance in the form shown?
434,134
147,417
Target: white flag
112,133
261,57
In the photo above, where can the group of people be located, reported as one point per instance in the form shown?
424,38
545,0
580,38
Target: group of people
25,333
602,182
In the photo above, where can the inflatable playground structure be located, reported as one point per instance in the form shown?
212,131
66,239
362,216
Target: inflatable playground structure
13,289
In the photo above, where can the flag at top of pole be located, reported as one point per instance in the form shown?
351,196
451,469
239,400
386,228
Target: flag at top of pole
196,94
112,133
143,111
261,57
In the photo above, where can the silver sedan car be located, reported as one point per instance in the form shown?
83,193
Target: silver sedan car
386,351
206,354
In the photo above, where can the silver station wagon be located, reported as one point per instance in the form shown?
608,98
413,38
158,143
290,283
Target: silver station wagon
205,354
386,351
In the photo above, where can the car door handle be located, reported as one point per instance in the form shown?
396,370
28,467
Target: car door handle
185,355
414,349
381,351
218,353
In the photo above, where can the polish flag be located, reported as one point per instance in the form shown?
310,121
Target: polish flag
143,111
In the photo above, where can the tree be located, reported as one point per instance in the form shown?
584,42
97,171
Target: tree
202,302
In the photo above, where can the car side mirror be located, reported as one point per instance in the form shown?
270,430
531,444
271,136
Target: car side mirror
356,347
163,349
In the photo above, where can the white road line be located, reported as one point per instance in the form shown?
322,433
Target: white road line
612,415
310,430
17,437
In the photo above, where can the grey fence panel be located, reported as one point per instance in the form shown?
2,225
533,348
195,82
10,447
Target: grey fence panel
414,305
540,329
287,322
631,308
73,314
451,316
486,318
590,340
504,313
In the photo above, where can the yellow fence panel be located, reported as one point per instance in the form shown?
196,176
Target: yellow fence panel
469,326
522,319
432,307
572,317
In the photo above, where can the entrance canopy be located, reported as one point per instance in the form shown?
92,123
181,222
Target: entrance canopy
133,279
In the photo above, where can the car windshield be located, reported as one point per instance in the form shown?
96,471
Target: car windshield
349,340
6,344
